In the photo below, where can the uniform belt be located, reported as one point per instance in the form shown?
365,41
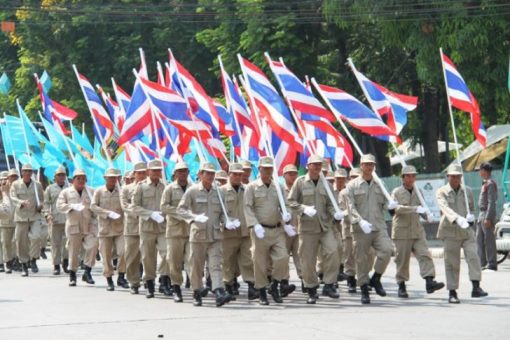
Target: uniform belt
271,226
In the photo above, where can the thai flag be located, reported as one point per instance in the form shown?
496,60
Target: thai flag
462,99
103,126
113,109
138,116
355,112
235,101
122,97
270,105
49,112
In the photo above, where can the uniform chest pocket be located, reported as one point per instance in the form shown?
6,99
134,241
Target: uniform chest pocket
215,204
260,193
230,197
176,197
359,195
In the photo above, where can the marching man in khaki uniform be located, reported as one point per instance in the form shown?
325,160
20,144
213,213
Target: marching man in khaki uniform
201,208
131,228
263,215
56,221
7,226
81,229
340,180
177,230
106,205
409,236
146,204
237,242
247,171
366,207
310,202
456,232
27,195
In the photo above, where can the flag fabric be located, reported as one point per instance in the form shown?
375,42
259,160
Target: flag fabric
114,110
82,140
462,99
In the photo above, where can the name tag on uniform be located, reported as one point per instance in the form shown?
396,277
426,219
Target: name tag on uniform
308,191
359,191
201,199
260,193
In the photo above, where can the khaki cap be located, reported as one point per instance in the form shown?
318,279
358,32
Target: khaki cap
266,162
221,174
79,172
314,159
4,174
27,167
330,175
209,167
354,172
181,166
246,164
454,169
340,173
129,174
367,158
235,168
289,168
60,170
155,165
13,172
140,166
409,170
111,172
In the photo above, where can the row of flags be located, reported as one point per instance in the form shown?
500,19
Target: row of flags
173,118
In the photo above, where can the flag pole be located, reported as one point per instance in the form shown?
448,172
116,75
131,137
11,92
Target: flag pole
303,133
454,133
353,141
16,163
5,151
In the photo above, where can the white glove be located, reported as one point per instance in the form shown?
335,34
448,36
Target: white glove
338,216
430,218
259,230
470,218
286,216
392,205
113,215
77,206
232,225
462,222
157,217
309,211
290,230
420,210
365,226
201,218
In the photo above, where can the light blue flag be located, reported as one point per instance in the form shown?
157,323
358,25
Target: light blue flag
56,137
82,140
14,135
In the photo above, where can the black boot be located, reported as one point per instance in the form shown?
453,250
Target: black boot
187,284
82,265
150,289
121,281
8,267
275,292
286,289
222,297
16,265
235,287
72,278
402,292
65,265
321,277
115,262
111,286
56,269
431,285
330,290
2,268
351,284
197,298
87,276
177,293
477,290
24,269
253,293
375,282
33,266
43,253
365,295
134,290
452,298
208,282
312,296
341,274
263,297
230,289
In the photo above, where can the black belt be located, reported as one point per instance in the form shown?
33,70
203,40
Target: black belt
271,226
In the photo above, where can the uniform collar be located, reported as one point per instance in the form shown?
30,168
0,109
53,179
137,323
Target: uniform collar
229,186
260,183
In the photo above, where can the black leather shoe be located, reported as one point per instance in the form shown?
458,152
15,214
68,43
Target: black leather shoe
452,298
111,286
230,289
222,297
8,267
43,253
204,291
33,266
167,288
365,295
72,278
177,293
431,286
330,291
263,297
197,297
286,289
56,269
235,287
87,276
65,266
24,269
187,284
134,290
208,282
341,274
477,291
312,296
150,289
2,268
253,293
275,292
402,292
122,282
351,284
375,282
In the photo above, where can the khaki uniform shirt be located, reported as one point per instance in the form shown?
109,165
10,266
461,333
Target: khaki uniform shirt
406,222
234,204
261,205
343,204
77,222
19,193
50,203
452,204
146,200
366,202
7,221
103,202
176,226
131,223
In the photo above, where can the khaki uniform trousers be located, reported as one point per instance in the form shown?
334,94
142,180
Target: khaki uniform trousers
106,245
28,244
340,249
381,242
403,249
349,262
8,243
237,258
273,247
133,259
75,243
177,257
150,245
452,249
292,243
308,251
200,252
58,244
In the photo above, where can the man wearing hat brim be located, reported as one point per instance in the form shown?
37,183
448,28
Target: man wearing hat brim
106,205
27,196
367,204
57,221
221,177
7,228
177,230
129,177
485,235
339,182
201,208
247,171
147,205
409,236
131,228
81,229
309,201
456,232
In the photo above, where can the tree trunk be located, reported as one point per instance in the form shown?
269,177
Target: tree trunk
430,112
